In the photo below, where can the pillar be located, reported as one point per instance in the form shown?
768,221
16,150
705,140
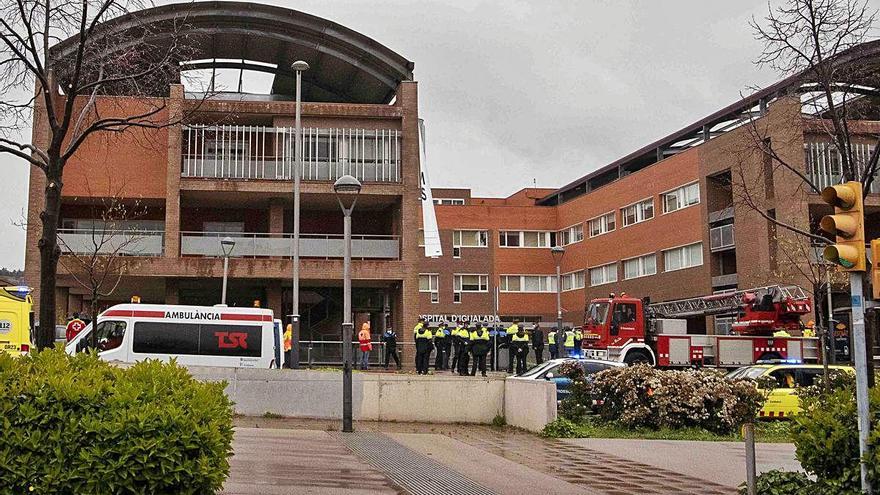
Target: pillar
273,297
172,177
276,218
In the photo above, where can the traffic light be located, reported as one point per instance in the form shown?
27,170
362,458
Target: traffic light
847,225
875,268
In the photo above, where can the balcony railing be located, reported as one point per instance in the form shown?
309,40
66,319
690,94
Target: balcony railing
259,245
823,163
111,242
254,152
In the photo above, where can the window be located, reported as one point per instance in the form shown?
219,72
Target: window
640,267
529,239
602,225
573,281
223,227
683,257
639,212
604,274
108,336
721,237
573,234
470,238
723,324
197,339
469,283
528,283
430,282
449,201
421,238
681,198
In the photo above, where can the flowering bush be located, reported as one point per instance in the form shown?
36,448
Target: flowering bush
642,396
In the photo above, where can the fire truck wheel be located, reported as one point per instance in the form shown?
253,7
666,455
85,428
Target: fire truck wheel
637,357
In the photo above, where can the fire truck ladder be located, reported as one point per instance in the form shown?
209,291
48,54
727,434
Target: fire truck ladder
727,302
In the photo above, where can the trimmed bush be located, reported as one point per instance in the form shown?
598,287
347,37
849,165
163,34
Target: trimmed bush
781,483
645,397
75,424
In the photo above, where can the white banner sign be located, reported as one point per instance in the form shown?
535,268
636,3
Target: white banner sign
429,217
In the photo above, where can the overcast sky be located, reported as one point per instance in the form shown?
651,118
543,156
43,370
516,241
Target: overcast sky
519,91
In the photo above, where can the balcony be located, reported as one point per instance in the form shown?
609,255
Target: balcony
824,163
722,238
111,242
262,245
724,280
266,153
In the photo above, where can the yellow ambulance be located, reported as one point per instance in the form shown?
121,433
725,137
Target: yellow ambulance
16,320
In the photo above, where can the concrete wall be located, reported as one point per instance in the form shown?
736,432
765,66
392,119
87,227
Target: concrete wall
386,397
529,404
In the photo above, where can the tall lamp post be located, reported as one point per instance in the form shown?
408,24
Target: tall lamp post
558,252
347,189
299,66
226,245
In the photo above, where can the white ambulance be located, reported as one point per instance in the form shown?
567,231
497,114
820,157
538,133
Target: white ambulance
193,335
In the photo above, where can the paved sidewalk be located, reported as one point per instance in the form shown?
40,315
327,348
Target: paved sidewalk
721,462
275,456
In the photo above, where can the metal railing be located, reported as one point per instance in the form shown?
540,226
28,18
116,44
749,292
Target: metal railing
823,163
259,152
257,245
121,242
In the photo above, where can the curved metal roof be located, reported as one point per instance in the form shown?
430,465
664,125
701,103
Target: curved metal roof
346,66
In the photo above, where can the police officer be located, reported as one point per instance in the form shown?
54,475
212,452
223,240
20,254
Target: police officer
568,343
440,344
423,346
520,347
578,340
480,345
466,349
389,338
538,343
511,331
458,338
447,347
551,341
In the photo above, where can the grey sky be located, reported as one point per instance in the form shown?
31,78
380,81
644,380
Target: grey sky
515,90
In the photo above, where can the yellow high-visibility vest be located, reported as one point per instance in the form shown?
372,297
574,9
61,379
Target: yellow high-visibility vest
551,338
439,334
517,338
512,329
569,339
483,335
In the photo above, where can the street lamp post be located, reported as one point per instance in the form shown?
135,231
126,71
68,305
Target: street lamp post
226,245
558,252
299,66
347,189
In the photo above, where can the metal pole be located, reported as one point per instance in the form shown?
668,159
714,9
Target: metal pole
297,165
346,327
749,434
559,342
830,326
861,364
225,272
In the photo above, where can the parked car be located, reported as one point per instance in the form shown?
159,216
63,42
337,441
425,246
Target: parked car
550,370
782,401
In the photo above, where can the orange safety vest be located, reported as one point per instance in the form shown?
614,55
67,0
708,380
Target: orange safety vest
288,338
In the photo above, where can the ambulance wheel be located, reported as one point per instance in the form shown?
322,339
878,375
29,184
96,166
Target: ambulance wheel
637,357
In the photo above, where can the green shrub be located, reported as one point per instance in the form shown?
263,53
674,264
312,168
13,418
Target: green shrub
781,483
499,421
646,397
561,428
75,424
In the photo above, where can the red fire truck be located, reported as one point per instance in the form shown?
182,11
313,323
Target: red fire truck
632,330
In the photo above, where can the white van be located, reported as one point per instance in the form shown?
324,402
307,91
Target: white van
194,335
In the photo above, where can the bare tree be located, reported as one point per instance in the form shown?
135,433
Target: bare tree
819,44
98,256
57,59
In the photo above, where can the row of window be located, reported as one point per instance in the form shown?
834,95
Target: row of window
642,266
641,211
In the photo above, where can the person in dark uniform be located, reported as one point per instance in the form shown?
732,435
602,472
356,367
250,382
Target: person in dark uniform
458,337
423,346
480,344
389,338
466,349
511,352
551,342
447,347
538,343
519,347
440,345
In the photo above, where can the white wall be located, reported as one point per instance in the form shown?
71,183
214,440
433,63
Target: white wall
386,397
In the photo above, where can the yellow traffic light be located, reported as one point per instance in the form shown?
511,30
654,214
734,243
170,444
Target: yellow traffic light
875,268
847,225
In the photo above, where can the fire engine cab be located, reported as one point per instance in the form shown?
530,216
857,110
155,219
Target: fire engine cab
633,330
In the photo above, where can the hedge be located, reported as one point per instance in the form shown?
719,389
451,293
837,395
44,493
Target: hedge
78,425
